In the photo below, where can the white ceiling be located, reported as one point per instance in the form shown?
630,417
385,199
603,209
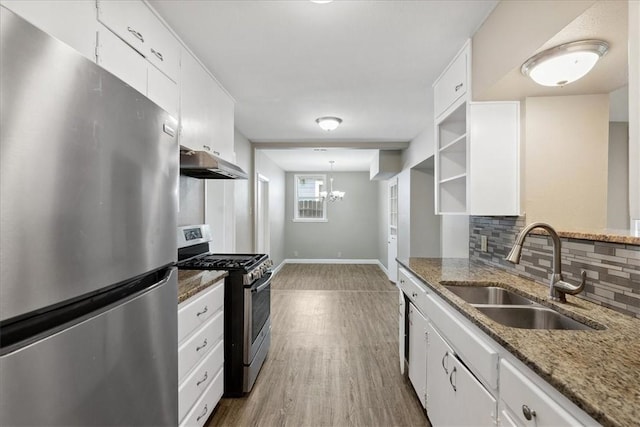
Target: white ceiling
604,20
311,160
372,63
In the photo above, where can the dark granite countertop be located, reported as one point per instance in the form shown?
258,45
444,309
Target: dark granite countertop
598,370
190,282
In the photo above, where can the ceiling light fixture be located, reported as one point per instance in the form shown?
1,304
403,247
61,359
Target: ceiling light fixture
328,123
321,1
332,195
564,64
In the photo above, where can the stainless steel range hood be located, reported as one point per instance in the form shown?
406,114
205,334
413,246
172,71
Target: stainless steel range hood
204,165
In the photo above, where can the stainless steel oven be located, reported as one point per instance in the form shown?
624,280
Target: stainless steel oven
247,305
257,326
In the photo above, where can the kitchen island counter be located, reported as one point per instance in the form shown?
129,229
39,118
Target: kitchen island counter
599,370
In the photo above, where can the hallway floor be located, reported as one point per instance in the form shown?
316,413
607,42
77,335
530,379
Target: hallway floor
334,354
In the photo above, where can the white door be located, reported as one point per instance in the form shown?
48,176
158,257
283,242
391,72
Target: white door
262,214
392,250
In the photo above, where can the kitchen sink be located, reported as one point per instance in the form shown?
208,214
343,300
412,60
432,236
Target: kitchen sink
488,295
531,318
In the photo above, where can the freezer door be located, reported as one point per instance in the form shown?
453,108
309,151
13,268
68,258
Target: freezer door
117,368
88,174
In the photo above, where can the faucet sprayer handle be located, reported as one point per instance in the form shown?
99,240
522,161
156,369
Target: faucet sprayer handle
561,287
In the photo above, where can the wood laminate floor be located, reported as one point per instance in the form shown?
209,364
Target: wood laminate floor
333,359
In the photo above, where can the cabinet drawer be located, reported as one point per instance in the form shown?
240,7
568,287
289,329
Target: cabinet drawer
198,309
518,393
128,19
474,351
200,344
195,384
452,84
203,408
412,289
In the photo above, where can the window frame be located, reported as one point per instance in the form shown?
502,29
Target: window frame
296,178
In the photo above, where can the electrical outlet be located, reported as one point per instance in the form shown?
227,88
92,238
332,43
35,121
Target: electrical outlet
339,254
295,253
483,243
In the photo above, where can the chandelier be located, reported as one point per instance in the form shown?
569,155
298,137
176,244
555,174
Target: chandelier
332,195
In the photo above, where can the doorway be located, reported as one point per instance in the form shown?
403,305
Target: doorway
262,237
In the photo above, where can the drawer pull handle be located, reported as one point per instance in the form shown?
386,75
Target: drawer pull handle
204,344
200,313
528,413
459,86
206,147
451,379
217,153
414,295
136,34
445,357
206,375
157,54
203,413
401,280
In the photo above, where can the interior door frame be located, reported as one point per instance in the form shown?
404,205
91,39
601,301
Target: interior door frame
264,210
392,265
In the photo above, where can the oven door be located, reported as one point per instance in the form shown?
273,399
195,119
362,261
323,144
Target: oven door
257,311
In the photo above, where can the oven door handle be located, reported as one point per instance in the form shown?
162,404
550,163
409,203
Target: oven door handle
261,287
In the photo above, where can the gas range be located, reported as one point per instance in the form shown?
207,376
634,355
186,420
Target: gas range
252,266
193,254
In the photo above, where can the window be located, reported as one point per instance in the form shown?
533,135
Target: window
308,205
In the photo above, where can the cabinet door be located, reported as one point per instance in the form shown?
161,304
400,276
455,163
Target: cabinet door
162,49
418,353
125,63
454,396
494,158
126,18
70,21
196,106
162,90
452,85
440,395
222,123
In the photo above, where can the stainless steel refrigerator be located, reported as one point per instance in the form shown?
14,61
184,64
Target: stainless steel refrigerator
88,287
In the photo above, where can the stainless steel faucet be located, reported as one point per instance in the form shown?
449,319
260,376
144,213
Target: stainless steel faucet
558,287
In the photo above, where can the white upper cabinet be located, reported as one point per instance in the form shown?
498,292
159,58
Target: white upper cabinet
135,24
453,82
135,46
494,151
206,111
72,21
477,155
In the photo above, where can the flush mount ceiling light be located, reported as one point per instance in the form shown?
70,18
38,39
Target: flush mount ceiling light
328,123
321,1
564,64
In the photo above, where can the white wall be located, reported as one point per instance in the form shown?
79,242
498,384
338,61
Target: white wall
618,181
265,166
634,113
421,147
352,229
566,161
244,204
424,223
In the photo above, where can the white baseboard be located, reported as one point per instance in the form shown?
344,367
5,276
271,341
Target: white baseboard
330,261
279,267
383,268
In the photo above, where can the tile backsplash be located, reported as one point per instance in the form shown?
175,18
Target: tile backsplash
613,269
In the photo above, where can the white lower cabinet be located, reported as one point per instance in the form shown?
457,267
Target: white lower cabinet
200,355
418,353
469,379
524,403
454,396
